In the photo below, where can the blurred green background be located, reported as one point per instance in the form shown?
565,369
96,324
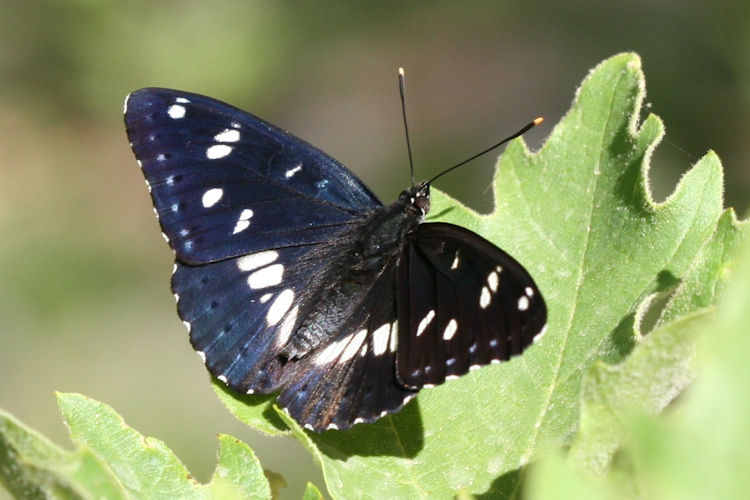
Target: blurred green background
85,304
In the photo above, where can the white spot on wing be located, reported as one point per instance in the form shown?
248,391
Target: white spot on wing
380,339
265,298
425,322
241,226
218,151
287,326
484,298
493,279
187,325
182,100
456,261
450,330
290,173
331,352
353,346
256,260
211,197
222,378
176,111
244,221
523,303
125,104
280,306
529,291
201,355
228,135
265,277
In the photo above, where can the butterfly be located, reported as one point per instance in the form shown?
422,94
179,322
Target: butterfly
293,278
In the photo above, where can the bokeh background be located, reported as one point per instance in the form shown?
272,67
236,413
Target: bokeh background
85,304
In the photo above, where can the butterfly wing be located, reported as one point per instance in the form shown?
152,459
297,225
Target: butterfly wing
462,303
352,379
225,183
242,311
255,216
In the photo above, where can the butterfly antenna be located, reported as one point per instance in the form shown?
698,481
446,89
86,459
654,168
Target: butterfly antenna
402,90
530,125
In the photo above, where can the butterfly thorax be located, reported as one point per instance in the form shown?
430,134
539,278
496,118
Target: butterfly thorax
375,248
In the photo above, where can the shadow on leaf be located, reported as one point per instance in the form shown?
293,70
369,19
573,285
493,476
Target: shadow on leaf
400,435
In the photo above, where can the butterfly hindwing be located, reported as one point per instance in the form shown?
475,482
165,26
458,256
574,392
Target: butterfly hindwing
352,379
225,183
241,312
463,303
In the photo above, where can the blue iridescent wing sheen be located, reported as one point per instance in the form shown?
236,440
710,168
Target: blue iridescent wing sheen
225,183
463,303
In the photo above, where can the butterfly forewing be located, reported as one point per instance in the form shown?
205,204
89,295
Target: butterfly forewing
463,302
225,183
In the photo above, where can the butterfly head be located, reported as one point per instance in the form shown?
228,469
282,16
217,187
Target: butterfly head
416,199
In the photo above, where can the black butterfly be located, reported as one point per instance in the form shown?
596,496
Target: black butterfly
292,276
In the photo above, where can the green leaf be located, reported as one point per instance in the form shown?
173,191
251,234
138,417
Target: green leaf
657,371
579,215
705,280
700,449
256,410
146,468
660,367
238,474
33,467
312,493
114,461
